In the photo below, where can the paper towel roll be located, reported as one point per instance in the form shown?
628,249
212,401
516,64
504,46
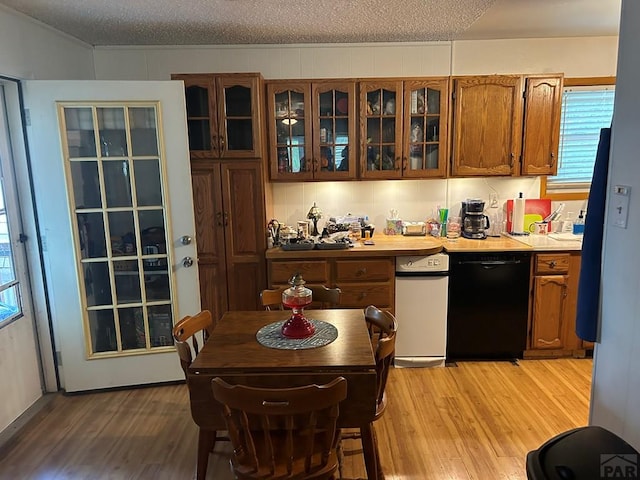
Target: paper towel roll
517,224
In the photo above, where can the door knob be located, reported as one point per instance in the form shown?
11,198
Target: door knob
185,240
187,262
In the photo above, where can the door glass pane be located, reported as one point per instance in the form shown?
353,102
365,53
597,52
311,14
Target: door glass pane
103,331
80,139
91,235
122,231
117,183
120,228
97,283
156,279
144,138
127,282
113,139
148,182
160,322
132,328
199,134
197,101
86,184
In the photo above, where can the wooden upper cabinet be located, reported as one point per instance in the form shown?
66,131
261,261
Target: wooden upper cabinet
312,130
223,115
543,98
487,125
426,119
381,129
403,128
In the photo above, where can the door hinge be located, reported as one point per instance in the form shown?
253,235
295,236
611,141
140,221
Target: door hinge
27,117
22,238
59,358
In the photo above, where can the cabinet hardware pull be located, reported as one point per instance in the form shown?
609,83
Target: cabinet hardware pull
405,163
225,218
512,158
219,217
221,142
362,271
553,160
552,264
398,160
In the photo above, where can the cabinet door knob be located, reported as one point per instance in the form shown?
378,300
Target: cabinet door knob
219,217
553,160
552,264
361,272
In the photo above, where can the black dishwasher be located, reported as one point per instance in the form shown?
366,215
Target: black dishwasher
488,305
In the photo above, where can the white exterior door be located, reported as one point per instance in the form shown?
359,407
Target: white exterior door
111,175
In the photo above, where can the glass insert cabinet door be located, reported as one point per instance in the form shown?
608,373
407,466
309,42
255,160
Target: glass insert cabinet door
114,177
425,124
222,115
334,124
290,123
381,138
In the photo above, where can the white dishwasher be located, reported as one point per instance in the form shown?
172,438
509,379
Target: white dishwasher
422,284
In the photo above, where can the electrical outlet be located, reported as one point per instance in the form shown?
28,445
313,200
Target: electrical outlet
493,200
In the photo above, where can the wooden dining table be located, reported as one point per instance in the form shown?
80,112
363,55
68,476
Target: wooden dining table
234,354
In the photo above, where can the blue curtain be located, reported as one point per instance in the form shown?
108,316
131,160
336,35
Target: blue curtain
590,271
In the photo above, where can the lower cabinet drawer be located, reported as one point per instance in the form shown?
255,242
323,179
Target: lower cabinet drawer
364,270
355,295
312,271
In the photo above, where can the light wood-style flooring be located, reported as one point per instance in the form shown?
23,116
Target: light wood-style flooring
474,421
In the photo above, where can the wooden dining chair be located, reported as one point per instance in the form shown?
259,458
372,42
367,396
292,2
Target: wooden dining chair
189,335
326,297
382,327
380,323
283,432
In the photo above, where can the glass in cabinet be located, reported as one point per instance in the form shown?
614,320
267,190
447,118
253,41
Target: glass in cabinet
381,135
425,128
312,130
222,115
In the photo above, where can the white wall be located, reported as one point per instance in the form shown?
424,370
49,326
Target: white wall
615,396
30,50
414,199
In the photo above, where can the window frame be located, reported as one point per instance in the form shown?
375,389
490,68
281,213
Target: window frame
573,195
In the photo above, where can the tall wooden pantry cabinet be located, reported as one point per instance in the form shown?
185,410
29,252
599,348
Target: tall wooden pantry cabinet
224,114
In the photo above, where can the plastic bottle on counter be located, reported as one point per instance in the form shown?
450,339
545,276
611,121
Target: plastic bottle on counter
567,223
578,225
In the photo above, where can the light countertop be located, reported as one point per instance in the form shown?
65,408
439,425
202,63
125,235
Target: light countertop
394,245
551,242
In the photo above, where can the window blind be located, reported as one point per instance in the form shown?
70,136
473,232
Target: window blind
585,110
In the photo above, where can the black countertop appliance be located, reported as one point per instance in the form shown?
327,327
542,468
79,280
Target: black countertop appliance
474,221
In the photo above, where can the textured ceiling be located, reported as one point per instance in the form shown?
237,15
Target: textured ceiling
212,22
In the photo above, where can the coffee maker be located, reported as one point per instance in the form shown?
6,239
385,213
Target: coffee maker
474,221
